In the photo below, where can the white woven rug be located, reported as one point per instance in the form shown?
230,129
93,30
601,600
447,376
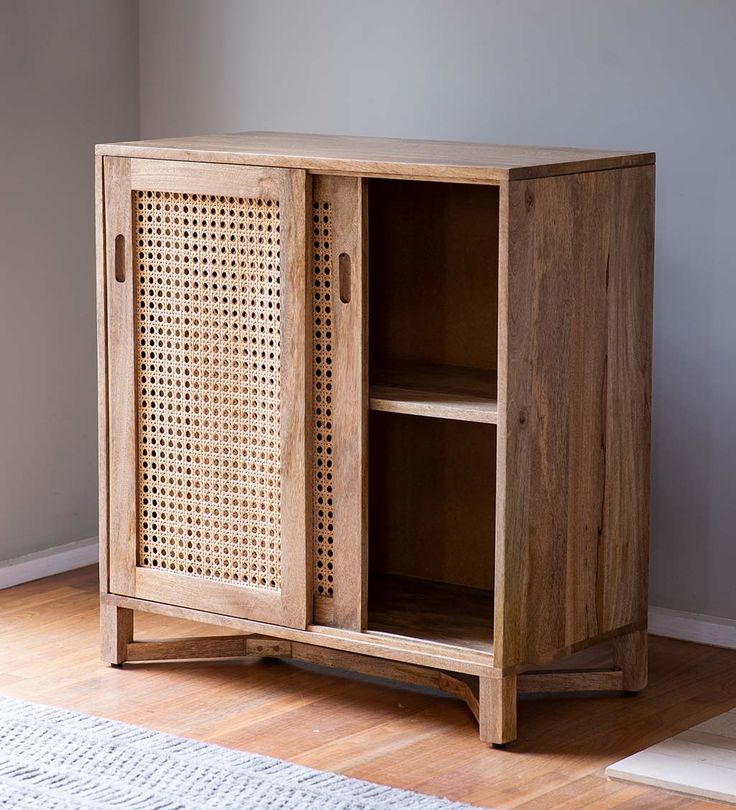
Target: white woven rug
52,759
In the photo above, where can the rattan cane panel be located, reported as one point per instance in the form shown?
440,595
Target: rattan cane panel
207,302
322,494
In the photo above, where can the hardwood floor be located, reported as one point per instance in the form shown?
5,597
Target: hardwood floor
329,720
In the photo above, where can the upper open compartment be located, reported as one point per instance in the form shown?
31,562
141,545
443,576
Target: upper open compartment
433,252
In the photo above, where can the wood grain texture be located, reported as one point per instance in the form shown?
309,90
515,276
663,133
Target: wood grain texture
429,678
421,609
441,392
290,604
296,551
464,687
203,594
346,197
432,499
413,401
385,156
116,633
204,178
574,394
361,726
375,643
543,283
102,382
492,699
497,709
188,648
433,283
624,546
571,681
121,379
630,654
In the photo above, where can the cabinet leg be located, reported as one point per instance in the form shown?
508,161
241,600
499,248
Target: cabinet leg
116,632
630,655
497,709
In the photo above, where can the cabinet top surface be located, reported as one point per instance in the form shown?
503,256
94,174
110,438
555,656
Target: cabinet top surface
381,156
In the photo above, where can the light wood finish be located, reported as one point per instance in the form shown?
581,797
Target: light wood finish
425,653
630,655
432,499
492,699
574,398
433,280
102,382
321,258
151,567
187,649
116,631
478,440
219,597
497,709
339,216
458,686
120,371
361,727
447,614
368,653
172,176
626,509
442,392
608,680
208,379
464,687
382,156
295,429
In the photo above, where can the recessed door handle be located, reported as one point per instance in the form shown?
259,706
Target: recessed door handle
344,277
120,258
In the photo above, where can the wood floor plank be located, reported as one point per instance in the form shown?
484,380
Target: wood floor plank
396,735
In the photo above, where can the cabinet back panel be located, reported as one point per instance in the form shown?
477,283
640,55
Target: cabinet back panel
432,496
433,279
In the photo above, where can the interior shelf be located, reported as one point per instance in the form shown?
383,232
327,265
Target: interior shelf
432,611
443,392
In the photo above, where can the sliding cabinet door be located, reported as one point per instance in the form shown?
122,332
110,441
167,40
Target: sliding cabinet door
207,387
338,274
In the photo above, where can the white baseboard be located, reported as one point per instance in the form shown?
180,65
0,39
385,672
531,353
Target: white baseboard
692,627
46,563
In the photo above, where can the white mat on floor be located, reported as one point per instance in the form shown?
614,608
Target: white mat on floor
60,760
700,762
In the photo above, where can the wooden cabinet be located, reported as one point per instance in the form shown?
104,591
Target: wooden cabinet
381,405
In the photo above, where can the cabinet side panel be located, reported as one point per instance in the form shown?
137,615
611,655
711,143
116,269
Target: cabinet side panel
574,532
624,549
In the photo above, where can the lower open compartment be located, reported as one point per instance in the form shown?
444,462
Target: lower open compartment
432,493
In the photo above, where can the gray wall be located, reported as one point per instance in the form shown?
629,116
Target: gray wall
630,74
68,78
